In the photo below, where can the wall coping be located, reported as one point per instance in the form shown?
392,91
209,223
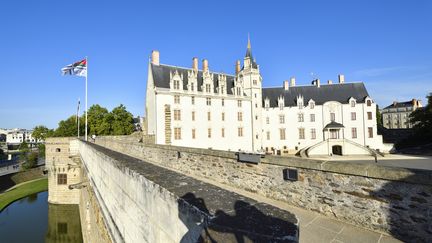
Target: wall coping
416,176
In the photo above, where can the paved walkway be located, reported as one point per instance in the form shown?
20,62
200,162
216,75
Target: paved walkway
394,160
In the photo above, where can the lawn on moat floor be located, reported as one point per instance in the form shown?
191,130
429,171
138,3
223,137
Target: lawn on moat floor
23,190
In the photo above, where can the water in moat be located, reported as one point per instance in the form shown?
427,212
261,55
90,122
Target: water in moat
33,219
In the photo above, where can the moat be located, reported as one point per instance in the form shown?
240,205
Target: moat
33,219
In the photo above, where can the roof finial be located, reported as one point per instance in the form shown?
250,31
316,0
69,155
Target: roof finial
249,44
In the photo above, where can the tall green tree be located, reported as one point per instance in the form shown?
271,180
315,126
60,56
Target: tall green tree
378,116
122,123
69,127
97,120
41,132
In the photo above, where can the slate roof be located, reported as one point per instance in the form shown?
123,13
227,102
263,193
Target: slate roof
161,77
400,105
327,92
333,124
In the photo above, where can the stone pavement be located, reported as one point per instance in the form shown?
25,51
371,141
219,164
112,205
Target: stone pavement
316,228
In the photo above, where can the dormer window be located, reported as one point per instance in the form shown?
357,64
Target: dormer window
300,103
192,87
311,104
353,103
267,104
281,102
208,88
176,84
368,102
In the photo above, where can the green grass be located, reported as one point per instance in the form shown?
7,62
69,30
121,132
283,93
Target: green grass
21,191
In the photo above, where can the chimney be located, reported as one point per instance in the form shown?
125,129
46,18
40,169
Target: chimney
286,85
341,78
155,57
329,81
237,67
292,81
205,65
195,64
317,82
395,103
414,103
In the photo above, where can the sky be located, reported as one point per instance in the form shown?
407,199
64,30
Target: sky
386,44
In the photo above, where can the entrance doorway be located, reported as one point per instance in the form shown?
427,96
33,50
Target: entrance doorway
337,149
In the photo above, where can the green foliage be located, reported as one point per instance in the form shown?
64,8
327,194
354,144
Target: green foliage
2,154
69,127
378,117
422,120
31,160
100,122
122,123
41,150
41,132
24,147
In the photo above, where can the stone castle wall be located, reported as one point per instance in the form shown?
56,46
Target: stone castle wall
393,200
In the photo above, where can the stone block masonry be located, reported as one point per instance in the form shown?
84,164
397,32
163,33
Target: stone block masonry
393,200
142,202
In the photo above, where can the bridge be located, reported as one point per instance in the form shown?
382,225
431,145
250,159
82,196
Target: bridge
130,190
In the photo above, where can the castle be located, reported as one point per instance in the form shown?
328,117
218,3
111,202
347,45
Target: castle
194,107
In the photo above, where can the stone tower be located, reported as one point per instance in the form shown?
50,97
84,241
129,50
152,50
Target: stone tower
251,79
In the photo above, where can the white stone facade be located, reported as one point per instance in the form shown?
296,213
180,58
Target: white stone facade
202,109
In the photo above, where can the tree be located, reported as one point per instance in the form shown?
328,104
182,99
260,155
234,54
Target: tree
68,127
31,160
24,147
97,120
41,132
422,120
122,121
41,150
378,117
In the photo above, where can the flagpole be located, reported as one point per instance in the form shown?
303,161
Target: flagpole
78,117
86,138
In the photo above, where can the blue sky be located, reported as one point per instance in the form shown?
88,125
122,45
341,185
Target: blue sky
386,44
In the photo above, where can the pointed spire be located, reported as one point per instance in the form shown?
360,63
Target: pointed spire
249,51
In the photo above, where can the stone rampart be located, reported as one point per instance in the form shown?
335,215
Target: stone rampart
142,202
393,200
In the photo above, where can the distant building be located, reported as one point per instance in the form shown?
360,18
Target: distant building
18,136
396,115
200,108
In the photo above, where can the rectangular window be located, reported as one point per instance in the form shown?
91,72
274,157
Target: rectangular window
370,132
193,115
268,135
254,82
193,133
313,133
239,103
281,119
177,133
208,88
282,133
312,105
312,117
353,103
301,117
240,131
208,101
223,102
176,84
223,132
61,179
223,116
209,133
176,99
192,87
353,132
209,116
177,115
369,115
267,120
332,116
353,116
239,116
301,133
193,100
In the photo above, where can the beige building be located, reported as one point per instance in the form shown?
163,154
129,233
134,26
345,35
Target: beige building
396,115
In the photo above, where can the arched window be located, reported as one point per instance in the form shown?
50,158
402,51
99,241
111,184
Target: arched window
369,102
